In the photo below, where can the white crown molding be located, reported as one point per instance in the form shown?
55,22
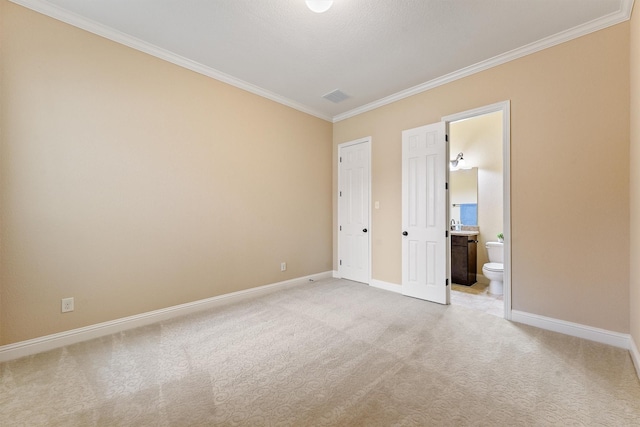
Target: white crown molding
45,8
50,342
590,333
55,12
623,14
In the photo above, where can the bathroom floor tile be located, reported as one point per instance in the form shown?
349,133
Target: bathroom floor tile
477,297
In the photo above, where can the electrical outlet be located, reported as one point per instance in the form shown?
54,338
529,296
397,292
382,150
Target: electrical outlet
283,266
67,305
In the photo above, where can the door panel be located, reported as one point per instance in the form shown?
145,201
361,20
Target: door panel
354,211
424,213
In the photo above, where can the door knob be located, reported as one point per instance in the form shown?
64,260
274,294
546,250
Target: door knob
364,230
404,233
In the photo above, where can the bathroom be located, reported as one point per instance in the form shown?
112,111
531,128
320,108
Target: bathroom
476,193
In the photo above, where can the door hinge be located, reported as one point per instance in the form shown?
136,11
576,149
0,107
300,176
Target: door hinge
446,282
341,194
340,159
340,262
446,185
446,233
340,228
446,137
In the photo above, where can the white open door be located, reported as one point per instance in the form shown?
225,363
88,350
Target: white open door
424,213
353,210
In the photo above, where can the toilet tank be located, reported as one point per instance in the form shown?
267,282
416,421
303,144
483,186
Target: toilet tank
495,251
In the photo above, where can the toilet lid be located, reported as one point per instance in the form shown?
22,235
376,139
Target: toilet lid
494,266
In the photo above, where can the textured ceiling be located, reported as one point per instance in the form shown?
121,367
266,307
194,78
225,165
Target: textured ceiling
371,50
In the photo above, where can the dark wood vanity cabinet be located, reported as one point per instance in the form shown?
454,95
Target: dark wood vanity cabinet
463,259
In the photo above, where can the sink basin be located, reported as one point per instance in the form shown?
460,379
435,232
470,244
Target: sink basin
463,233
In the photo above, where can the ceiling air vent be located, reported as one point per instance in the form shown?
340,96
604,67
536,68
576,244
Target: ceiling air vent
336,96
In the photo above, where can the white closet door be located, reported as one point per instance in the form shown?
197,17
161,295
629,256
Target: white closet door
354,211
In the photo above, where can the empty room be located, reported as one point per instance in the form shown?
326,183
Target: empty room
240,212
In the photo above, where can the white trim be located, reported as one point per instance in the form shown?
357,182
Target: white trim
623,14
392,287
49,342
367,140
336,274
635,354
505,107
55,12
603,336
101,30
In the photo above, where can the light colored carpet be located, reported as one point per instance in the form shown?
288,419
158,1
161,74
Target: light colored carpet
329,353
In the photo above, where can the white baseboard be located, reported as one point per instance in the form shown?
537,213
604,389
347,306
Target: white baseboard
603,336
336,274
635,354
386,286
49,342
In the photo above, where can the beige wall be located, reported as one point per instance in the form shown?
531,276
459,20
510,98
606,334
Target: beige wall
569,174
480,139
132,184
635,175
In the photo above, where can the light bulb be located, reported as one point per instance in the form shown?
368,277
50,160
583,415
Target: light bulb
319,6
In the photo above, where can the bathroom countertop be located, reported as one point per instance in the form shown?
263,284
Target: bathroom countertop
463,233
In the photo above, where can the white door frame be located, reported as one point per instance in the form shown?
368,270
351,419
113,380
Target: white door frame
505,107
367,142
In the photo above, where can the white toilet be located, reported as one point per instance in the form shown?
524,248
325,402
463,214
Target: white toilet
494,269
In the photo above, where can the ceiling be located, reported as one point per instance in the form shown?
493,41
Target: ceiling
374,51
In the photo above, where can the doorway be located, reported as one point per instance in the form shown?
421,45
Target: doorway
491,227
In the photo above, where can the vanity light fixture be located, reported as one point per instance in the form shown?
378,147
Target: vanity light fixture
457,163
319,6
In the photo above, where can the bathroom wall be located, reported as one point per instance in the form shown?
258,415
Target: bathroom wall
569,174
480,139
132,184
635,179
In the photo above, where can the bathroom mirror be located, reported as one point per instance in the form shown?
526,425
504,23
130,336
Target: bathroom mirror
463,196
